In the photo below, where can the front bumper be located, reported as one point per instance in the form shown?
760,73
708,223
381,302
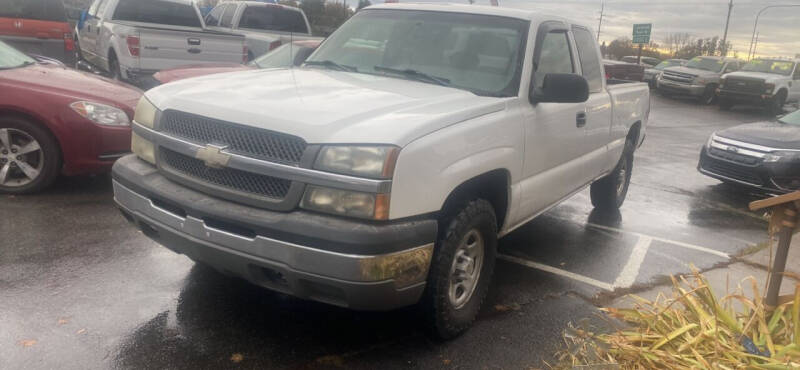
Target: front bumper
679,88
90,148
745,98
771,177
337,261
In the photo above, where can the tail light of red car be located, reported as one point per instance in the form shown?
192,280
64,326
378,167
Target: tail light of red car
133,45
69,42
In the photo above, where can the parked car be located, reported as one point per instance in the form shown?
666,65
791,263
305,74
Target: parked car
763,155
132,39
699,78
770,83
286,55
622,71
381,173
38,27
646,61
58,120
651,74
265,26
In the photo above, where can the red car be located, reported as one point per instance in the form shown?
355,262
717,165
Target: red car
37,27
283,56
58,120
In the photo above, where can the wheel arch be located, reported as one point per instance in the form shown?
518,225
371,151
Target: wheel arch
36,120
492,186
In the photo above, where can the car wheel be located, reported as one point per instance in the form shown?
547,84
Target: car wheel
709,95
29,157
610,191
775,106
113,68
461,270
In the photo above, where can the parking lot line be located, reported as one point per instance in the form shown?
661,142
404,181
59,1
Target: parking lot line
556,271
629,273
668,241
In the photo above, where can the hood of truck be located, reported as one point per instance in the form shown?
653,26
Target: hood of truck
772,134
693,71
324,106
766,77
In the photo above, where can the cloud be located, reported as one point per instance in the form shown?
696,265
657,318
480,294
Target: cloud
777,27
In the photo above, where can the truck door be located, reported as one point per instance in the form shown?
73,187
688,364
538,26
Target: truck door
87,39
554,135
598,108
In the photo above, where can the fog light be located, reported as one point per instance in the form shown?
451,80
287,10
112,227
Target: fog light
406,268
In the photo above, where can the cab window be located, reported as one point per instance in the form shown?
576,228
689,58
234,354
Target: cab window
590,62
227,17
212,19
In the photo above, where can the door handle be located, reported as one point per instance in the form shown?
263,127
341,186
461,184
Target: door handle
580,119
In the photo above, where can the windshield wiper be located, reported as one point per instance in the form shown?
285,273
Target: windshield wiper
419,76
331,64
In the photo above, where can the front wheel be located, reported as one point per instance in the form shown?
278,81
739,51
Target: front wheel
610,191
775,106
29,157
461,270
709,95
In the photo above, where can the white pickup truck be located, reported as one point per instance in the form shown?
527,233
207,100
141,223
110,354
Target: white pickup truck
770,83
382,172
132,39
265,26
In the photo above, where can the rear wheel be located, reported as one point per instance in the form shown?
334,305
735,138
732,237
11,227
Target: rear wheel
461,269
29,157
610,191
113,67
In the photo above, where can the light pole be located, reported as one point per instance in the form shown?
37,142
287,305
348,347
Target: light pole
602,7
755,26
725,36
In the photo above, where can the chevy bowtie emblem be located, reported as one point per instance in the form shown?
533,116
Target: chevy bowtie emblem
213,156
733,149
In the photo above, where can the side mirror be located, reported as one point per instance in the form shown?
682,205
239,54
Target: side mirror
561,88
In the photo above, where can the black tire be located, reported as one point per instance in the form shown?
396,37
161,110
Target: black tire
114,71
775,106
709,95
50,154
610,191
725,104
446,320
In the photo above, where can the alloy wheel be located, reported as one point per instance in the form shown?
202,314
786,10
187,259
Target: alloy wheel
21,158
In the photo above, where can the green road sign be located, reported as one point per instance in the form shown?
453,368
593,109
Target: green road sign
641,33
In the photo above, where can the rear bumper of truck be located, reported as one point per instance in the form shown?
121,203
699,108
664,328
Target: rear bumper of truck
337,261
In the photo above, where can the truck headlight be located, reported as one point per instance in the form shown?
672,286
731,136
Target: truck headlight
101,114
145,115
375,162
781,156
769,88
346,203
710,140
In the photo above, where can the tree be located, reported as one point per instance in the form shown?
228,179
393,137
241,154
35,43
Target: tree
325,16
363,4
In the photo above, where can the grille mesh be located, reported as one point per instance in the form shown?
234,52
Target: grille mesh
248,141
733,171
744,85
261,185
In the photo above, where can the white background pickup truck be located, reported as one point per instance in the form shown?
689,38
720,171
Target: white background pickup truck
381,173
767,82
132,39
266,26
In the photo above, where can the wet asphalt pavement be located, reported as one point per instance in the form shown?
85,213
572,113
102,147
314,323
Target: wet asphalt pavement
80,288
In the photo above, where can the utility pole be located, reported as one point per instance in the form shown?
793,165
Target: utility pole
725,35
755,45
602,7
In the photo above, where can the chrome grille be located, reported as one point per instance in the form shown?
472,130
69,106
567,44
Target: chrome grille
244,140
744,85
232,179
678,77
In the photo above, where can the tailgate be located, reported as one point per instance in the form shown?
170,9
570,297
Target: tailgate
163,48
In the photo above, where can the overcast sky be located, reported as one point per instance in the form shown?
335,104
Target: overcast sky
779,29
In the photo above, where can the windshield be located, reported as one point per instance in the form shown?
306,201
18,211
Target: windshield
479,53
273,18
283,56
706,64
11,58
780,67
791,118
667,63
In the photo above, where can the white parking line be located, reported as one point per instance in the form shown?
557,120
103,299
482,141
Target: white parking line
629,273
556,271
